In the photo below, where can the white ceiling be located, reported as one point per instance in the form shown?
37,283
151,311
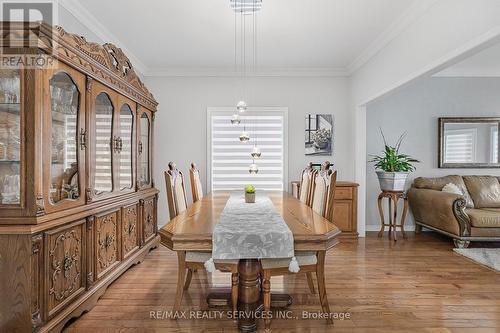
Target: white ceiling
182,37
485,63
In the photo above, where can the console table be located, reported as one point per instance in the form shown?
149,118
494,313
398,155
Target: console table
345,208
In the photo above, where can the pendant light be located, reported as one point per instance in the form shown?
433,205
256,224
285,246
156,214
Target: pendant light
256,150
254,168
244,137
235,120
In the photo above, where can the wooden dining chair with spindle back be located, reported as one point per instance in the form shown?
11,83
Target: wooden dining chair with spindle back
323,192
196,189
191,261
306,182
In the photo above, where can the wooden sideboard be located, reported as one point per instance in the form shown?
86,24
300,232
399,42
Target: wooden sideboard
78,204
345,207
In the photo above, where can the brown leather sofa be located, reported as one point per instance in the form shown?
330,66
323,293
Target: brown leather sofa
473,216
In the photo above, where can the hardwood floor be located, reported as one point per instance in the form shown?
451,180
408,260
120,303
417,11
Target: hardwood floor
414,285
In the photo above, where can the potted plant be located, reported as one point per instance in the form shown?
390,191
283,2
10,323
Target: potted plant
392,167
249,194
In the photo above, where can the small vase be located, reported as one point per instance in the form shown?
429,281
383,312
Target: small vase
249,197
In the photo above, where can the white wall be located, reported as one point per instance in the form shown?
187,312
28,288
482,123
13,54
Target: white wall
415,109
180,123
446,33
71,24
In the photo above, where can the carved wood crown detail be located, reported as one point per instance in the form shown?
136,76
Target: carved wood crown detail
107,62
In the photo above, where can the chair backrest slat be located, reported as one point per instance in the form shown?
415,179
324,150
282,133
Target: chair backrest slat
176,191
306,184
194,177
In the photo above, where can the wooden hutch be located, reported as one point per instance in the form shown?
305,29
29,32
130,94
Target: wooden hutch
78,205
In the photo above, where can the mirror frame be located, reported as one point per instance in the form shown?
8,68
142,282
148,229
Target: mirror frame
454,120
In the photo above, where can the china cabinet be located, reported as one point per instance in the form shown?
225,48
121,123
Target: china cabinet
78,205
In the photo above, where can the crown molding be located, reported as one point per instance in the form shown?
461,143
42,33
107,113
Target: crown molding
89,21
262,72
414,12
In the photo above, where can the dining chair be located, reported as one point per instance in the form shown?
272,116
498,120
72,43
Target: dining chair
310,262
192,260
306,182
196,189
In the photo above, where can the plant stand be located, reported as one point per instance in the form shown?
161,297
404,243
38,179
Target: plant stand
393,198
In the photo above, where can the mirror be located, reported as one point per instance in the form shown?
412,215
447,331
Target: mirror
469,142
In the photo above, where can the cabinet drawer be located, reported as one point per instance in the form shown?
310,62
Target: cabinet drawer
149,218
343,193
107,242
65,265
129,230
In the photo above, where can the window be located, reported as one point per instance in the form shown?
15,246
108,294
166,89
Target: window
460,146
229,159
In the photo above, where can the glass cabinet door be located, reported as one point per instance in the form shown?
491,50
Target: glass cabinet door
63,146
64,168
124,144
10,137
103,134
144,177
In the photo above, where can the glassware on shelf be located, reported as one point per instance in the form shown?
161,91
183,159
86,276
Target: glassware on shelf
10,189
9,86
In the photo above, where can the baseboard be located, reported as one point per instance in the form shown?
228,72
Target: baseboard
374,227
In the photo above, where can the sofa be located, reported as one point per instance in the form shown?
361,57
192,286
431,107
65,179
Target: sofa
473,215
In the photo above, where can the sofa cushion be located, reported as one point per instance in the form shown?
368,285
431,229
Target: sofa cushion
484,190
438,183
482,218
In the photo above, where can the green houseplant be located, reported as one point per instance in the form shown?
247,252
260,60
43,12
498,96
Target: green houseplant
249,194
392,167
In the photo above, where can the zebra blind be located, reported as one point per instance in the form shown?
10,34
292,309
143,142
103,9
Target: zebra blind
494,144
460,146
230,158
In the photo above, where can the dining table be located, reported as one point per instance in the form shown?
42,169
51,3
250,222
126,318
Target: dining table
192,230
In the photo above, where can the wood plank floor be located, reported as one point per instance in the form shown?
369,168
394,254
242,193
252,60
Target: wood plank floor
414,285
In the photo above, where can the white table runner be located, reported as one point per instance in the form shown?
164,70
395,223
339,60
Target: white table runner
252,231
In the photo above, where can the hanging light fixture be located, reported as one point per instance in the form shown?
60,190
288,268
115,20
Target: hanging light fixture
241,106
235,120
254,168
256,152
244,137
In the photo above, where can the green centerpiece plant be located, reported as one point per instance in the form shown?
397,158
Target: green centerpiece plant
249,194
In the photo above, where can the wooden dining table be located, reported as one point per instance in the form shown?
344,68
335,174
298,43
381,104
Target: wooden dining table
192,231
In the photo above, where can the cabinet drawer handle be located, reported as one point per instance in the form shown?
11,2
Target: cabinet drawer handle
83,139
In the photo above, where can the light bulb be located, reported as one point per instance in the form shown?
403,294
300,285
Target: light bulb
254,169
241,106
256,152
236,119
244,137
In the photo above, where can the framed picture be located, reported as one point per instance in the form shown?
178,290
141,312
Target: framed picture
319,134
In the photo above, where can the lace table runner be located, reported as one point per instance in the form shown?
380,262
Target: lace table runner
251,231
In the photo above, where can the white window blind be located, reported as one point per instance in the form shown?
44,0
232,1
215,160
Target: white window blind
460,146
230,159
494,144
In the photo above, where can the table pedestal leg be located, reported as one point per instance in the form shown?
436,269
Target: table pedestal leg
248,293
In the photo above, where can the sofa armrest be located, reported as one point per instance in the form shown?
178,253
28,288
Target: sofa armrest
441,210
